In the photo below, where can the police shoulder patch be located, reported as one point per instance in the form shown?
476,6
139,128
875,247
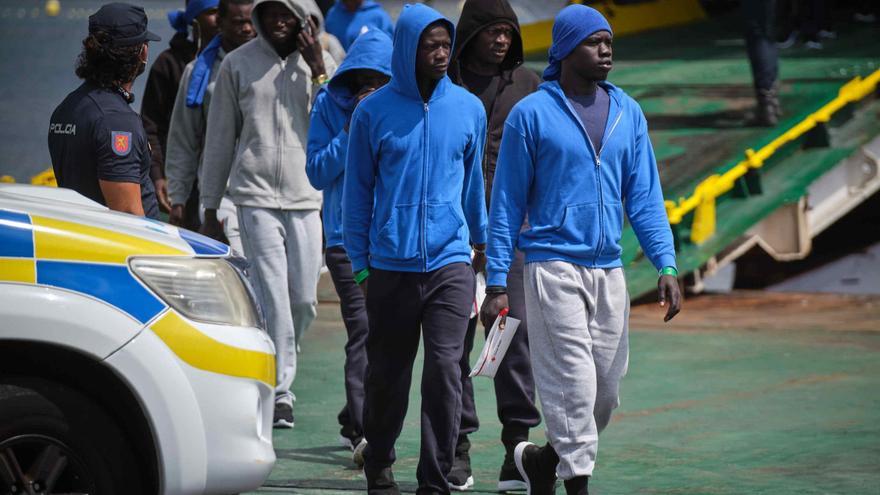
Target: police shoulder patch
120,142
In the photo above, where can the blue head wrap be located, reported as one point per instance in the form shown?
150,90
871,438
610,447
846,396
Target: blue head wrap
201,73
181,19
573,25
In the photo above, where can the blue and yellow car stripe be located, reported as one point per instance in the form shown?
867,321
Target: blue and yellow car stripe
17,263
93,261
205,353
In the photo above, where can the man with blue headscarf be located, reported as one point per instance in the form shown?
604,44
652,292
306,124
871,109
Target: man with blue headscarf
574,156
161,88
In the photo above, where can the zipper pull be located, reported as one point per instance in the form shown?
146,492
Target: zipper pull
597,161
426,108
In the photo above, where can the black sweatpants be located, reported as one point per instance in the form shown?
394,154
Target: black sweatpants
760,42
354,315
399,304
514,384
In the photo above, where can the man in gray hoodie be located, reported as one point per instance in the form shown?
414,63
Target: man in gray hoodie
189,119
258,128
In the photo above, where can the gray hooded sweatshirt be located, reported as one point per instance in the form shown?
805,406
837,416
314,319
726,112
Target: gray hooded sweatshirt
186,135
258,124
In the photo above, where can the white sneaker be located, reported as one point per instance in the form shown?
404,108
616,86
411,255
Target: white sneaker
787,42
468,484
813,45
357,454
512,486
828,35
866,18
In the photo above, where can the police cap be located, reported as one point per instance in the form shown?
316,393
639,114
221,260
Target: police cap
125,24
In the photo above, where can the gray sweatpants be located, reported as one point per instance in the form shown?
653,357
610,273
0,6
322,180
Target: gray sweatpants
578,336
284,250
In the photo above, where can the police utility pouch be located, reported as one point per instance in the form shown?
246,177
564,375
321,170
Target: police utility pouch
497,342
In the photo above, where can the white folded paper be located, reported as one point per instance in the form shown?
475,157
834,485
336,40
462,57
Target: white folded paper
479,295
496,345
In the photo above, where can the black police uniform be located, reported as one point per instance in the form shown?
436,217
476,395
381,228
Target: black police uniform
95,135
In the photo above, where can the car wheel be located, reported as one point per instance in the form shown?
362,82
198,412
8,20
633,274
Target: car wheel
54,440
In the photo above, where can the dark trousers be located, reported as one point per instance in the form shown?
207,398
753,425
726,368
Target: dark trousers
760,42
514,384
398,305
354,315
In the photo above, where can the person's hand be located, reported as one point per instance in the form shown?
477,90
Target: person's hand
162,195
479,262
212,227
363,287
670,296
363,93
176,215
492,305
310,47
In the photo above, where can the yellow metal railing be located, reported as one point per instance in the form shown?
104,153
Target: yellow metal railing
702,201
624,18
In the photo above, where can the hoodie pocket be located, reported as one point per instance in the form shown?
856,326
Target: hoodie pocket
580,225
443,226
399,237
613,227
255,171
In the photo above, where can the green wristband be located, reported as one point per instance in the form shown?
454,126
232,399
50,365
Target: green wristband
669,270
361,276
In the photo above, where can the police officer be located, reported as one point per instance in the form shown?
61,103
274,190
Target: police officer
96,140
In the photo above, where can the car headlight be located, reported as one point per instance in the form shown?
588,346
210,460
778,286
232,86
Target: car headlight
202,289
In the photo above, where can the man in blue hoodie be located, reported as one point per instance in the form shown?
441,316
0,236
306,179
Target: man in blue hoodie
413,206
574,156
487,61
366,68
349,18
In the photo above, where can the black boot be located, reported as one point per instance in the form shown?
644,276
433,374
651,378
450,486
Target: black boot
768,111
509,479
460,477
380,481
577,486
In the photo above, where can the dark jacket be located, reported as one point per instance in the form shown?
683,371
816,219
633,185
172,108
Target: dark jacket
516,81
159,94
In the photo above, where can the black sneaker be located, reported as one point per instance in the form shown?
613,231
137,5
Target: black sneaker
537,465
460,477
577,486
381,481
509,480
283,417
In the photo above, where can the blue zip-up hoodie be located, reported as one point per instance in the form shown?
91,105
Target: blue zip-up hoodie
574,194
328,141
347,26
421,163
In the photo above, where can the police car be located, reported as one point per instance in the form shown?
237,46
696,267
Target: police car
132,359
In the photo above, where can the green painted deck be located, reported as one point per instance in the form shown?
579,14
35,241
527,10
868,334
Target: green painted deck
756,408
